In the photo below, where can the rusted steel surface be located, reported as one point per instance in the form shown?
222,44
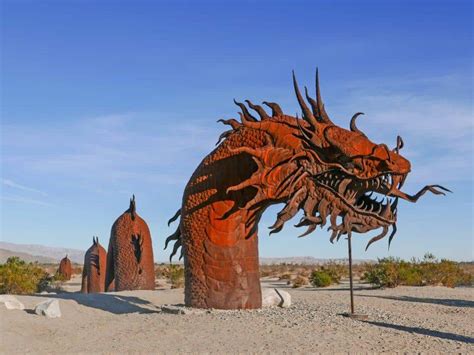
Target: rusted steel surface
130,255
94,270
65,268
309,164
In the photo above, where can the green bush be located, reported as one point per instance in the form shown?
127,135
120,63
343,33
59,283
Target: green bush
321,278
18,277
391,272
410,276
335,271
176,276
384,273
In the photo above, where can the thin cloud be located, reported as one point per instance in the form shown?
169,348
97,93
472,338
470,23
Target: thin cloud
12,184
29,201
112,148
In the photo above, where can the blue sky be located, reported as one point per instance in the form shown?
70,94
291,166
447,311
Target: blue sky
103,99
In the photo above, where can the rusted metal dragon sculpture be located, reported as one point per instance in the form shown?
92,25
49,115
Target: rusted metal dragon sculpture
311,164
65,268
130,264
94,269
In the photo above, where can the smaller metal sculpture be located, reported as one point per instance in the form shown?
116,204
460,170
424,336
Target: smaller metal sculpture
130,256
93,273
65,268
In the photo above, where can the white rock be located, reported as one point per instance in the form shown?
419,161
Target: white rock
285,297
271,297
11,302
49,308
181,310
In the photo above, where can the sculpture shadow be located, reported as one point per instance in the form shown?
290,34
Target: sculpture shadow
112,303
424,331
439,301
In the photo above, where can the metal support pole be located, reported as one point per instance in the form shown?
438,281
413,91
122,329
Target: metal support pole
349,244
352,314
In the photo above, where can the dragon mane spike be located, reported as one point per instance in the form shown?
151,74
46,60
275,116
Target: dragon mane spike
133,207
261,112
276,109
248,123
246,112
175,217
321,111
353,123
307,114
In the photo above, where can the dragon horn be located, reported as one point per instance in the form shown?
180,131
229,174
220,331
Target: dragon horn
353,123
321,111
400,144
307,114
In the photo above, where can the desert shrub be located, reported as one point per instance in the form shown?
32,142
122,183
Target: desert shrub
384,273
176,276
19,277
447,273
410,276
300,281
162,271
391,272
266,272
321,278
57,277
335,270
305,273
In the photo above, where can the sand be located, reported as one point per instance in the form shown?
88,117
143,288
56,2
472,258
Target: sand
404,319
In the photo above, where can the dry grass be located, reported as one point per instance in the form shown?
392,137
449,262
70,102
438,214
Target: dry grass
174,274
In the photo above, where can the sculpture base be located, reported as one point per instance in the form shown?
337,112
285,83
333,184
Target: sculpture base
356,316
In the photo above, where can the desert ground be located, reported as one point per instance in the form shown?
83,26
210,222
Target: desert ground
403,319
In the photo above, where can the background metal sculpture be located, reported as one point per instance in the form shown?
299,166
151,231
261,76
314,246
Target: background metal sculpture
94,270
65,268
130,255
309,164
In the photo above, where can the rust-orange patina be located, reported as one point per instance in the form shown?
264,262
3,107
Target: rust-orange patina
309,164
65,268
94,270
130,255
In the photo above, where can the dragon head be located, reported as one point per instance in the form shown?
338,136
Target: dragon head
323,169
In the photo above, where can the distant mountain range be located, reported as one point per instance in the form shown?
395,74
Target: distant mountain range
5,254
35,252
307,260
47,254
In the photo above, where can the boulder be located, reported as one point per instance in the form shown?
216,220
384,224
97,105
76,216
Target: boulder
49,308
272,297
11,302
